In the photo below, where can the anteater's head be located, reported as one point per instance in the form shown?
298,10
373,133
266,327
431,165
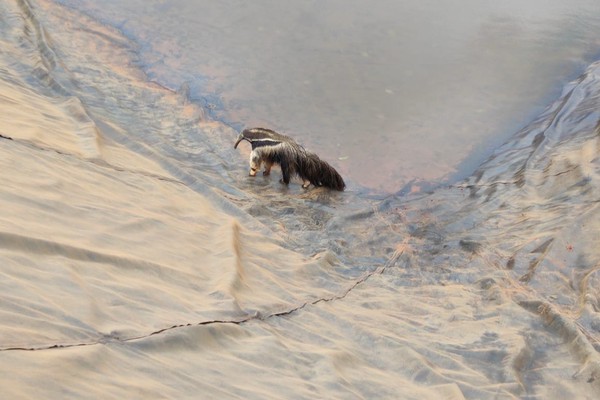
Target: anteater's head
259,137
239,139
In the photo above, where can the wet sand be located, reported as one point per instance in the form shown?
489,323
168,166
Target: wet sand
134,268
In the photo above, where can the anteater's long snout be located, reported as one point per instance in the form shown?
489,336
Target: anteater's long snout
239,139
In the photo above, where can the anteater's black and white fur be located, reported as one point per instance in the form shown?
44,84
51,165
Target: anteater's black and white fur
270,147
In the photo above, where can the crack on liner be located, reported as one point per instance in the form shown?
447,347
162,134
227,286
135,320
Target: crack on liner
257,316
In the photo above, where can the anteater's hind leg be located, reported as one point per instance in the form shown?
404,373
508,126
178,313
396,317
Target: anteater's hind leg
285,171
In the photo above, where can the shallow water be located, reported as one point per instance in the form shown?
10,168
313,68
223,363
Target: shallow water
139,261
390,92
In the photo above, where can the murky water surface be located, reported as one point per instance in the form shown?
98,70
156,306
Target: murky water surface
389,91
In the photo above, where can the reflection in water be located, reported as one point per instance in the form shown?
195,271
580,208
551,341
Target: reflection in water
140,260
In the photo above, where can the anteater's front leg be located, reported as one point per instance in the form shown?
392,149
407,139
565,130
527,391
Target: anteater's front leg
255,162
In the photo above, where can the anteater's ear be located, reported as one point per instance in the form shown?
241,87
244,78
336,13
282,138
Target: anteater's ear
239,139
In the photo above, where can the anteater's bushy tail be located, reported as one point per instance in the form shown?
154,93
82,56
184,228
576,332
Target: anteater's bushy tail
318,172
